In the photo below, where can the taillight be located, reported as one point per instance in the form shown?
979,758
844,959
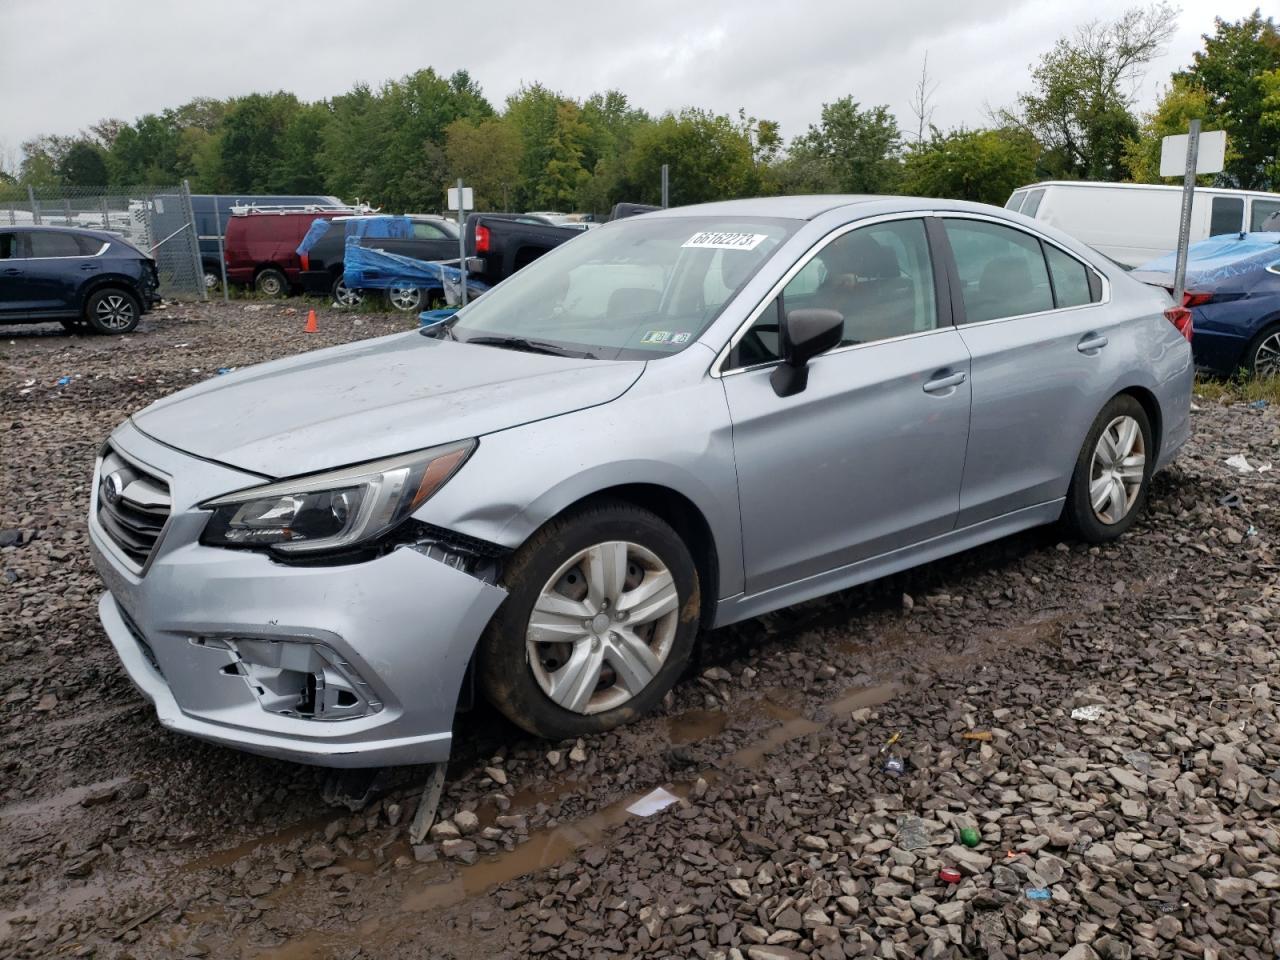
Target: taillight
482,239
1194,298
305,259
1180,317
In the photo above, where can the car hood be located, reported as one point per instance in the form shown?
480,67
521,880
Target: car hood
374,399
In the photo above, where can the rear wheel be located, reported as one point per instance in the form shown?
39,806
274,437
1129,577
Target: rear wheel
599,622
212,280
344,296
1263,355
1109,486
271,282
406,299
112,311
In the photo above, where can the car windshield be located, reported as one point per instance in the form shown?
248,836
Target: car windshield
637,289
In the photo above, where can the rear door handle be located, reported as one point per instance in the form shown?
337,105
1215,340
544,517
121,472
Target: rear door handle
1092,342
11,271
938,384
88,266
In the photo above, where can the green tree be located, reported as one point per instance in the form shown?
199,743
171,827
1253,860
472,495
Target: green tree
1233,71
1178,106
981,165
41,159
533,112
83,165
1080,106
486,154
709,156
850,151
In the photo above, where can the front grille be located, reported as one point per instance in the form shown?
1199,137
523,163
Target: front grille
133,506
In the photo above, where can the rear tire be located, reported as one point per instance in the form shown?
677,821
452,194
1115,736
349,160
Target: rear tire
271,282
344,296
1112,474
617,600
1262,356
112,310
406,299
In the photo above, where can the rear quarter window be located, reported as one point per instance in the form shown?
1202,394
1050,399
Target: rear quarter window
1032,203
50,244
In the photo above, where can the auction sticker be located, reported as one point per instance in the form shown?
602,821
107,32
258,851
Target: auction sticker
713,240
665,336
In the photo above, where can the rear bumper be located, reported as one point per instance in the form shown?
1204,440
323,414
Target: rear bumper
202,631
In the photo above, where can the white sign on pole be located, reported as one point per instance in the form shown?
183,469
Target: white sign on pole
468,199
1212,154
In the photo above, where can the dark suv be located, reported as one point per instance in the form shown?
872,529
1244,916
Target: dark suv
77,277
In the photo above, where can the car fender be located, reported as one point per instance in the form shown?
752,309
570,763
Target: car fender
98,281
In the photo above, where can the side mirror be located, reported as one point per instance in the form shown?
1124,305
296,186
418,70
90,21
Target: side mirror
804,334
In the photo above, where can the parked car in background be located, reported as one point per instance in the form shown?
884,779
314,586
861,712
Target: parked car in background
81,278
505,242
1133,223
261,247
433,238
678,420
1233,293
213,213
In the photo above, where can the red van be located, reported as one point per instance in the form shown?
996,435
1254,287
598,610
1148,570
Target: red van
261,247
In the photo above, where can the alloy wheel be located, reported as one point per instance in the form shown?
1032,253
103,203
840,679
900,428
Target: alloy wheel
345,296
211,280
1118,469
404,298
114,312
1266,359
602,627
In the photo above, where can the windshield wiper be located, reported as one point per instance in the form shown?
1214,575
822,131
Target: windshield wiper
522,343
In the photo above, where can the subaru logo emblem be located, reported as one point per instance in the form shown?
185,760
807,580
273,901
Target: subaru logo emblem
112,487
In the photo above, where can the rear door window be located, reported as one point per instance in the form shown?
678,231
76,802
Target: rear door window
428,231
1260,210
89,246
50,244
1032,203
1002,270
1071,287
1226,216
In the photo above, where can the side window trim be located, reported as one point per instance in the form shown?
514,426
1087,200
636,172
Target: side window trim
720,365
1094,277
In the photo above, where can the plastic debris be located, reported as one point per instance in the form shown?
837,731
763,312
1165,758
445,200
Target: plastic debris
1252,531
1239,464
949,875
982,736
970,837
63,381
1038,893
894,766
1259,405
912,833
652,802
1231,500
1093,711
222,370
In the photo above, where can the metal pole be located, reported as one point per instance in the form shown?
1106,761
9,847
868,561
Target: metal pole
462,244
666,193
35,209
1184,225
189,212
106,214
222,256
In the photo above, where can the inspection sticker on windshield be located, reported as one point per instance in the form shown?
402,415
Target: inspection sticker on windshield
714,240
664,336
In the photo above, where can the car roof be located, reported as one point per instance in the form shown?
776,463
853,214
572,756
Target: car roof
810,207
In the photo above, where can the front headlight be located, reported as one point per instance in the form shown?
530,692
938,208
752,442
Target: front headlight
332,511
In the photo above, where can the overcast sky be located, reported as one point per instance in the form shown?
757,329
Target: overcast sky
65,64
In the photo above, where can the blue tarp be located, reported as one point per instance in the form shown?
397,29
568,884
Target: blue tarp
1220,258
366,268
319,227
380,227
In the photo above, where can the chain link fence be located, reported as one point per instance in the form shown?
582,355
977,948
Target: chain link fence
157,219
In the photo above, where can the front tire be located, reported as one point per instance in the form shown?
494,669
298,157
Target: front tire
599,622
344,296
112,311
406,299
271,282
1112,474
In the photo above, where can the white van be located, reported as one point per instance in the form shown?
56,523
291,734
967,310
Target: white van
1133,223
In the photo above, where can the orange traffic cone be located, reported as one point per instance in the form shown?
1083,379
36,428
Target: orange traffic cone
311,322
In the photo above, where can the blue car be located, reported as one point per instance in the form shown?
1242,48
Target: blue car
1233,293
81,278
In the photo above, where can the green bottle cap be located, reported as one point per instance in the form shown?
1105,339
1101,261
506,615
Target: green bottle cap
970,837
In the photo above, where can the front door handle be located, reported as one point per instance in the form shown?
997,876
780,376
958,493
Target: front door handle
938,384
11,271
1091,343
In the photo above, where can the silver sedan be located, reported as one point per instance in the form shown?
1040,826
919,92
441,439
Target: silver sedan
671,423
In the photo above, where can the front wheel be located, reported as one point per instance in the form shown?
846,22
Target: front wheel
345,296
272,283
599,622
406,299
112,311
1109,485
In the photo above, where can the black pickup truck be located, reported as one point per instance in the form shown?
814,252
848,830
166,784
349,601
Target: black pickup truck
499,244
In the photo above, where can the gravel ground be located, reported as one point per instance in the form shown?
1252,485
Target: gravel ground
1104,721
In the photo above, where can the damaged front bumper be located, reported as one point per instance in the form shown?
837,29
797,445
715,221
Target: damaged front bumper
351,665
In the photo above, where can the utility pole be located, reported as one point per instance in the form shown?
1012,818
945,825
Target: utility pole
666,192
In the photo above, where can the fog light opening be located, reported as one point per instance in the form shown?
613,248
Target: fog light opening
301,679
